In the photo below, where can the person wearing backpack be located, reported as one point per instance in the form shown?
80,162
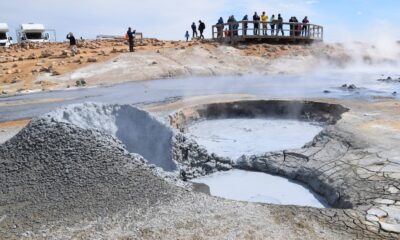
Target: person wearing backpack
202,27
72,43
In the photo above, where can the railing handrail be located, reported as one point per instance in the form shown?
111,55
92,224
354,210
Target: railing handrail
269,22
311,31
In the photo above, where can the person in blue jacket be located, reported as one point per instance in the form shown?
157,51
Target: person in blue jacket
187,36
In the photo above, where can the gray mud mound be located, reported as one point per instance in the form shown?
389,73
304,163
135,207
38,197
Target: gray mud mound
139,131
54,171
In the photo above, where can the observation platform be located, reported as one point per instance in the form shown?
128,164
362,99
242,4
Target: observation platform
289,33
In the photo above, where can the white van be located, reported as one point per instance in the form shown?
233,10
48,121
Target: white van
33,32
5,39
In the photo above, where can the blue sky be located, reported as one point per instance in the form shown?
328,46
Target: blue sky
169,19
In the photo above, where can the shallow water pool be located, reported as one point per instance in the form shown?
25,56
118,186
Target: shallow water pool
262,188
234,138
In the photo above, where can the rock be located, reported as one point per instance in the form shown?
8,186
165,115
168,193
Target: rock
55,73
32,56
15,80
327,91
80,83
154,63
344,86
92,60
352,87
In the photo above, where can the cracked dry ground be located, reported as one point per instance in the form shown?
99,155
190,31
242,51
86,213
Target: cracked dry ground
355,164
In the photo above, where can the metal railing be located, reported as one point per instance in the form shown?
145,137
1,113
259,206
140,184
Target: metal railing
242,30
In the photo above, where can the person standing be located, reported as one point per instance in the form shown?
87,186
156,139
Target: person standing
297,27
291,21
256,20
264,19
220,27
304,29
245,24
187,36
280,25
131,39
72,43
202,27
273,22
194,30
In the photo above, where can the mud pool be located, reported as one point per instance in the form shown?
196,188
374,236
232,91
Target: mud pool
234,138
260,187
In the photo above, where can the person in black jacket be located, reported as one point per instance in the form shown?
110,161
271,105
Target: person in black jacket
220,28
245,25
131,39
202,27
280,25
72,43
256,20
194,30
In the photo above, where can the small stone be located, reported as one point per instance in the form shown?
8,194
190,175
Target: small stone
92,60
327,91
55,73
154,63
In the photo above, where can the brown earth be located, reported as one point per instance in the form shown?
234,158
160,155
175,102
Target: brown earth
33,67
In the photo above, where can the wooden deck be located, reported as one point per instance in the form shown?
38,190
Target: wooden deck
293,33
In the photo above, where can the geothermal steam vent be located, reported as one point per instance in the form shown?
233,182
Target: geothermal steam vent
139,131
